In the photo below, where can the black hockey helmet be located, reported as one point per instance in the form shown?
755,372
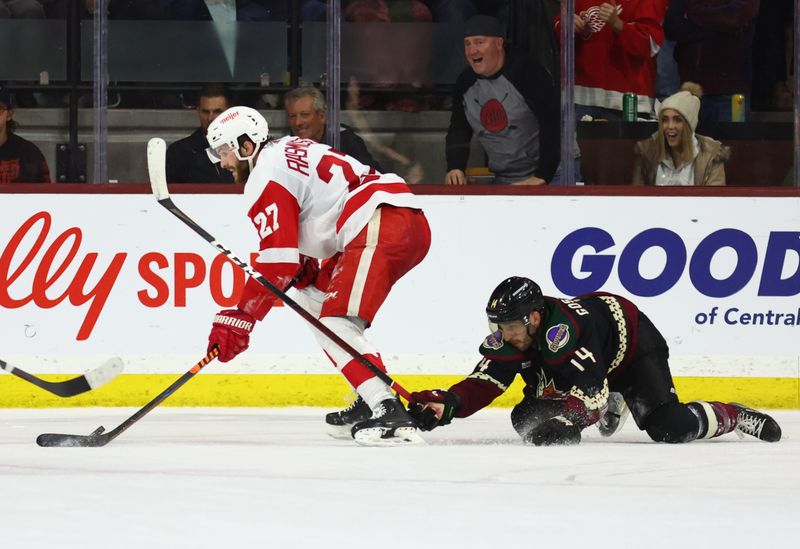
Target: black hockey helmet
514,299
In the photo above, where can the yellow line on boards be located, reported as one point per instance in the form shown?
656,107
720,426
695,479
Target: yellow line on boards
331,390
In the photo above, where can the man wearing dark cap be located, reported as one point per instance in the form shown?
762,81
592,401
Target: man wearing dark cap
511,103
20,160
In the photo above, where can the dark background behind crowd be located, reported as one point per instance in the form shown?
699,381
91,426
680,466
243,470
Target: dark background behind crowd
400,63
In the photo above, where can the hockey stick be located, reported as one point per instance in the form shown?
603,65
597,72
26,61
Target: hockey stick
156,158
75,386
100,438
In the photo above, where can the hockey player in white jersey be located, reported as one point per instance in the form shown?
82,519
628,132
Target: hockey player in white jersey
307,199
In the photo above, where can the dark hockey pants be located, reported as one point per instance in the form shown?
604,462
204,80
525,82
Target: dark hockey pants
646,383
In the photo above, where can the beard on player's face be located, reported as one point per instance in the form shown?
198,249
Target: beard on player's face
240,171
239,168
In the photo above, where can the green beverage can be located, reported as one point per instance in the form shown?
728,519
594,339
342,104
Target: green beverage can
630,107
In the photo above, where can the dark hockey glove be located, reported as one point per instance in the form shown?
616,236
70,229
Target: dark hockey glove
425,416
555,431
230,332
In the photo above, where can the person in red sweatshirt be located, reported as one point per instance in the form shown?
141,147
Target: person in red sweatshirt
616,43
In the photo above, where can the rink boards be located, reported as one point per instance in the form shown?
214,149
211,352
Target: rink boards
85,277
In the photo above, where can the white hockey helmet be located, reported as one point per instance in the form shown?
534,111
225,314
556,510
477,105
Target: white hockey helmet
225,130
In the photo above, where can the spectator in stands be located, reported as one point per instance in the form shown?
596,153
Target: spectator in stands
20,160
713,47
511,103
307,113
21,9
187,161
675,154
616,43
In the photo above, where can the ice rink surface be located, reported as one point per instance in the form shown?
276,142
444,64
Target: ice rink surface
271,478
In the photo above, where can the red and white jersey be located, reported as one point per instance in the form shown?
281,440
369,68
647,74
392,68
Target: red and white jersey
608,63
306,198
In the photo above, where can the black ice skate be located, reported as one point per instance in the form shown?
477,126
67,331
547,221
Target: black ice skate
341,423
756,424
390,425
615,416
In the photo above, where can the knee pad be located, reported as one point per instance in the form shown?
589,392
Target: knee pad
673,422
351,330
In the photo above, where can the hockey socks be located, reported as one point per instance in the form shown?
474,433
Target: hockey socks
715,418
374,391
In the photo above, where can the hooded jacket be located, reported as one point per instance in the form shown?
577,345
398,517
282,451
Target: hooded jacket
709,164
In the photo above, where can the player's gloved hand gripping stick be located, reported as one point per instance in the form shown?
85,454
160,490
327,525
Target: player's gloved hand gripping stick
156,159
231,328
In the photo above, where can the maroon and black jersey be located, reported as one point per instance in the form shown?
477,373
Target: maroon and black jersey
22,162
581,344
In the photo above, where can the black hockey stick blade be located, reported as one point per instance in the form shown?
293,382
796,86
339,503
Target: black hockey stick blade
75,386
99,437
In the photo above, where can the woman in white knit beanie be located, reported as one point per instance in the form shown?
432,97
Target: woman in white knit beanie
675,154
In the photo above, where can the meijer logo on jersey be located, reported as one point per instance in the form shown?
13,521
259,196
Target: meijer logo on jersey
45,272
779,272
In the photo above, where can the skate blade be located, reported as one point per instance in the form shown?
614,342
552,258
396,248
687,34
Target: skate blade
340,432
379,436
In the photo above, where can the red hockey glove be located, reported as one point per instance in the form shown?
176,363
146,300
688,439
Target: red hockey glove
309,269
426,416
230,332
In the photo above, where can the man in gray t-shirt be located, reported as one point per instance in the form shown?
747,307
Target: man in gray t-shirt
511,103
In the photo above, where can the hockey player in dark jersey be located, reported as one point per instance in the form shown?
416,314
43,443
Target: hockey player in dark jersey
572,353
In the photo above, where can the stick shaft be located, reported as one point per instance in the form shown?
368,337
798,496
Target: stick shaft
163,395
100,438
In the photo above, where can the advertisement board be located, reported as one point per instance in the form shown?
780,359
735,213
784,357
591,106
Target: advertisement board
85,277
